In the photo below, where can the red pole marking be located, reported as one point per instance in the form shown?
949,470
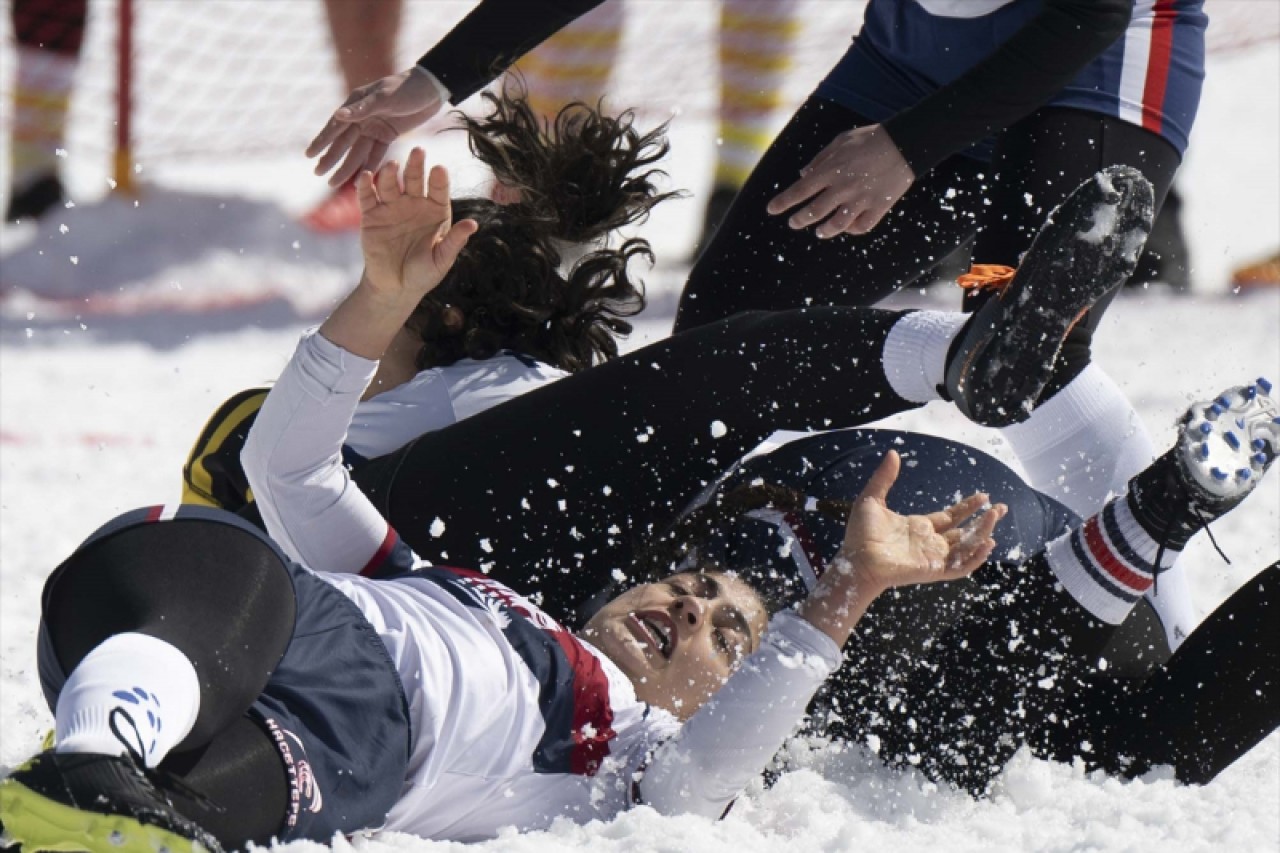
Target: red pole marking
123,167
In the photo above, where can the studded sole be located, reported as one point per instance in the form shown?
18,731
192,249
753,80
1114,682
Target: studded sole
1229,442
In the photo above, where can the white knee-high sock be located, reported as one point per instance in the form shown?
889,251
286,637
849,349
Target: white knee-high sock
915,353
1082,445
146,678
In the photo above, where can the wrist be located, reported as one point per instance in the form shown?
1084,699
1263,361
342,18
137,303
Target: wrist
382,298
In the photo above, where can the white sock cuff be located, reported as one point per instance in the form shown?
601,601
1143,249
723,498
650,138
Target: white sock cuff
915,353
149,679
1107,563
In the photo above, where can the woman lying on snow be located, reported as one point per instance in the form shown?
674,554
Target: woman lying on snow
440,702
564,493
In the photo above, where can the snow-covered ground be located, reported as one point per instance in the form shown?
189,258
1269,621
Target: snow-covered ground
102,393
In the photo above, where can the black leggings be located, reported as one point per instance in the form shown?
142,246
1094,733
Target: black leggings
1020,667
223,599
757,262
555,490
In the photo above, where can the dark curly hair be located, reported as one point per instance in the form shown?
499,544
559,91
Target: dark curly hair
579,176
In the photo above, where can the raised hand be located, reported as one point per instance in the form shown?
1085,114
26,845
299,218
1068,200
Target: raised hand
855,181
406,232
883,549
409,242
370,119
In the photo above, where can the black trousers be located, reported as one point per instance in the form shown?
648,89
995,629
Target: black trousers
756,262
225,601
1021,667
556,490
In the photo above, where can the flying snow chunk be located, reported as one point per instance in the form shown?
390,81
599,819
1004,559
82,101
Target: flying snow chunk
437,528
718,429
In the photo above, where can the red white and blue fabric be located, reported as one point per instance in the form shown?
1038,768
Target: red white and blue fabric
573,690
1152,76
1108,562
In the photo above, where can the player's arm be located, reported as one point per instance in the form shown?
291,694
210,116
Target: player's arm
729,740
493,37
483,45
1021,75
293,454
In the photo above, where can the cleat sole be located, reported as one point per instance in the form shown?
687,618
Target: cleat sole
1088,247
38,823
1223,464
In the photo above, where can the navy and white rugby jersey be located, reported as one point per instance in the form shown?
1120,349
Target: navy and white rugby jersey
1151,75
514,720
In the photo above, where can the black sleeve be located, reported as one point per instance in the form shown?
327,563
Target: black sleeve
492,37
1017,78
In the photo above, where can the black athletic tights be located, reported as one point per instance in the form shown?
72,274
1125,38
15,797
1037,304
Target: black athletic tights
557,489
1020,667
756,262
221,597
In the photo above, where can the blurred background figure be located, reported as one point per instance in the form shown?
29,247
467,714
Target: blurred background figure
756,43
1262,274
49,34
364,38
1166,260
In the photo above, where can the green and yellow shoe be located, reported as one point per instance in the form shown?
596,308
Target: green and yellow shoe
96,803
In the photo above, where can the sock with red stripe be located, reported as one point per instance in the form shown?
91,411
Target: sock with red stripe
1109,562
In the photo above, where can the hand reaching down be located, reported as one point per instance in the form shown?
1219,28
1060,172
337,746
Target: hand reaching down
854,181
370,119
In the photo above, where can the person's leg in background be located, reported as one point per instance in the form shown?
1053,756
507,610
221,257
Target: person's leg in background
49,34
756,41
364,38
575,64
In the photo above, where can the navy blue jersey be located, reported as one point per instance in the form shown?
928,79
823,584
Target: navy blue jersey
1151,76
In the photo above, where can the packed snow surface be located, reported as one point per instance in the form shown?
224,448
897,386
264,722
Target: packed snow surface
201,288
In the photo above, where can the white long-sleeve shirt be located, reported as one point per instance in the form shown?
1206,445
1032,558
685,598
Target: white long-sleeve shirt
514,721
440,396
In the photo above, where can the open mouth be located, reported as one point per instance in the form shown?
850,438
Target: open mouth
657,629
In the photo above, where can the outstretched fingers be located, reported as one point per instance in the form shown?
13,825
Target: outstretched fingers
415,174
971,545
387,182
960,511
883,478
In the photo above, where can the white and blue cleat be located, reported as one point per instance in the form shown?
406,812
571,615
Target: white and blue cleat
1229,442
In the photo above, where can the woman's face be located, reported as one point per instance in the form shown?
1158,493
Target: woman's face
679,640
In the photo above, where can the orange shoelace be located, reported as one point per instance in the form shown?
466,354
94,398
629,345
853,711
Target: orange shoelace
993,277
